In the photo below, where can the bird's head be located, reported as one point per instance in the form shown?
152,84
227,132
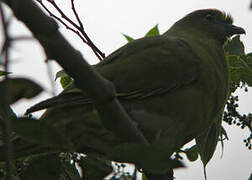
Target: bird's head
210,22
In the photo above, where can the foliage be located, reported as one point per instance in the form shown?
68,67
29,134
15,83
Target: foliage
20,88
140,154
65,79
250,177
2,73
48,160
240,67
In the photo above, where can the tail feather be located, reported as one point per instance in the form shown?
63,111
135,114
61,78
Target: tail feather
62,100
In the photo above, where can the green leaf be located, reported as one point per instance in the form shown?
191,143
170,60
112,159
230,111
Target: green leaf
206,143
248,60
153,31
128,38
24,149
240,68
144,177
147,157
95,167
2,73
234,46
43,167
14,177
38,132
65,79
250,177
192,153
20,88
70,172
60,74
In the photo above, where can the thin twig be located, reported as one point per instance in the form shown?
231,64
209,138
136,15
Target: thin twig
76,14
68,27
6,124
62,22
80,29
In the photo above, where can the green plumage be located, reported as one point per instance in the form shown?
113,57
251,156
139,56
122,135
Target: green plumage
173,86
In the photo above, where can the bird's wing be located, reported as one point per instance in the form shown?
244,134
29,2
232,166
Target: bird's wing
150,66
142,68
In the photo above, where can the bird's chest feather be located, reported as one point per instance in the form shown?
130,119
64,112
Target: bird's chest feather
214,74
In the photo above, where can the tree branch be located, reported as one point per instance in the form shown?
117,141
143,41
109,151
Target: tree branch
5,115
87,79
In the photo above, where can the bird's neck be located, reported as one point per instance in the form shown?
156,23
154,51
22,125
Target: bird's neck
203,44
189,34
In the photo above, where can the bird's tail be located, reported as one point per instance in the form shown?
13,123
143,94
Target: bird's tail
61,101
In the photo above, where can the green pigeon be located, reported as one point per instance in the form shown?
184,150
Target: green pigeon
173,86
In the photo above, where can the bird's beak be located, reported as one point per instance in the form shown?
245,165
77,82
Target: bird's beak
231,30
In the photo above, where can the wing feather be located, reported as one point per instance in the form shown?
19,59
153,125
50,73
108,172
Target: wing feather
146,67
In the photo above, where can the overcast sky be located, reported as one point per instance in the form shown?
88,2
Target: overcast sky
104,21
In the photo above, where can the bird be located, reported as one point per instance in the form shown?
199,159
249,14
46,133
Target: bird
173,86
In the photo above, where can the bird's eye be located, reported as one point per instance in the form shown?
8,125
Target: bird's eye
209,17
